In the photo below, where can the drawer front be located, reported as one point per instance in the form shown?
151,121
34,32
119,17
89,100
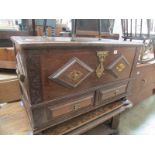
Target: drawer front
104,95
7,54
71,106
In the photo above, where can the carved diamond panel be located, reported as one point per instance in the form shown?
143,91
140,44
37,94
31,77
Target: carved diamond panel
119,66
73,73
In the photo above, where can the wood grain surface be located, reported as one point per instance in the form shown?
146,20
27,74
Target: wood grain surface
14,120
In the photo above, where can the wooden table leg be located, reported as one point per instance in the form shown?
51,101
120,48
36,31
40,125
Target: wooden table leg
115,122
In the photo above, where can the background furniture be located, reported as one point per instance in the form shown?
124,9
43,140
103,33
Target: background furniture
7,56
144,84
45,27
96,28
134,29
9,87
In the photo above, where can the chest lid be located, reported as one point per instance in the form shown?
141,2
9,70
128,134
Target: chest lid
40,42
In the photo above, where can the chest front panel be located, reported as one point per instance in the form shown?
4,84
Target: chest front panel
70,71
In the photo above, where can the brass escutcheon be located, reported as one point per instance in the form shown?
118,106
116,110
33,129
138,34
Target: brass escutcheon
101,57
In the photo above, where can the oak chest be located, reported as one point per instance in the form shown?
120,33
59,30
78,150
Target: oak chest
61,79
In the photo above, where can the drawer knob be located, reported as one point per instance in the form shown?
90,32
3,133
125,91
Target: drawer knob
144,81
21,77
76,106
117,92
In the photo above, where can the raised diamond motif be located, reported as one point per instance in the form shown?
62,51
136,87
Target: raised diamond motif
72,73
118,66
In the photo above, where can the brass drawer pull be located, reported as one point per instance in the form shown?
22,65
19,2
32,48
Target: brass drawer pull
117,92
144,81
76,106
21,77
72,106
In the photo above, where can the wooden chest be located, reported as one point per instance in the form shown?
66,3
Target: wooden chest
144,84
61,79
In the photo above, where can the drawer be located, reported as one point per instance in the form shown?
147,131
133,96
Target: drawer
72,106
110,93
7,54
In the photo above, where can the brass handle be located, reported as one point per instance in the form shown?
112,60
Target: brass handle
76,106
117,92
145,81
101,57
21,77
